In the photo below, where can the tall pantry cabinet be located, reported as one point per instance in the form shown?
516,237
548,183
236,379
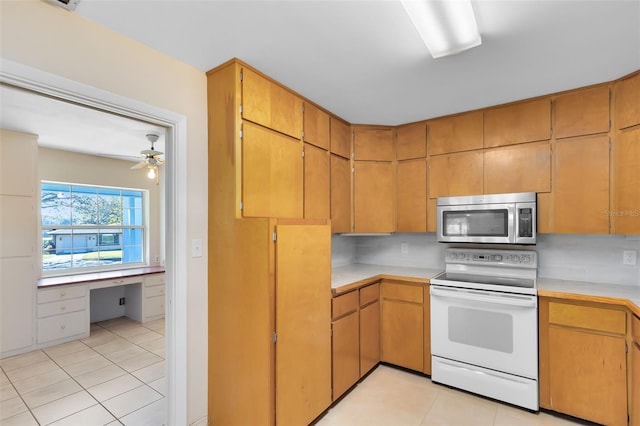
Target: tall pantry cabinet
19,247
269,269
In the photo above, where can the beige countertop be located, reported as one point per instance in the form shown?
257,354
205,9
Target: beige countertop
345,278
349,277
628,295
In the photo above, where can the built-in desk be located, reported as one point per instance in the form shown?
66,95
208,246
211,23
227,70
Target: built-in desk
63,304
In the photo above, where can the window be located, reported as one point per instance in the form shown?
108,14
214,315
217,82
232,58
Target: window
89,227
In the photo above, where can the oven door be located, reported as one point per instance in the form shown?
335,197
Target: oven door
481,223
494,330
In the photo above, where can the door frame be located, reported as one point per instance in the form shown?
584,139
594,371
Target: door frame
175,193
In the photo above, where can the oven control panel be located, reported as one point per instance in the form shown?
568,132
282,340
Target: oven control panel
519,258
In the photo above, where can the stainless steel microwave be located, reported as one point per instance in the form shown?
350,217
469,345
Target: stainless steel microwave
492,218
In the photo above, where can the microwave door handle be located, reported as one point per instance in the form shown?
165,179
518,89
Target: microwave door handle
513,224
524,301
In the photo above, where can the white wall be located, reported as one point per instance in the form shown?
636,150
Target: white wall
51,39
594,258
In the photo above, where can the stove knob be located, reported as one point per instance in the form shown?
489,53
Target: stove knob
515,258
498,258
526,258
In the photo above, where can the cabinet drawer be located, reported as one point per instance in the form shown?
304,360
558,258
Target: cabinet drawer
62,307
344,304
404,292
588,317
61,326
369,294
61,293
154,279
635,329
153,306
156,290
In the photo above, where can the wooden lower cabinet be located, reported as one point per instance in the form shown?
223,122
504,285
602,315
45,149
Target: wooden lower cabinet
635,374
345,343
402,324
369,327
583,360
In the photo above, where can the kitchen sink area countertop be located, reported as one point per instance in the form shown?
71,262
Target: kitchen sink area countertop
626,295
348,277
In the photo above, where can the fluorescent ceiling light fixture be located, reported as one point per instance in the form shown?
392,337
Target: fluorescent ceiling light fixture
446,26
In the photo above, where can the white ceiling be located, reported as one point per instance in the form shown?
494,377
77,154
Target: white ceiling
364,61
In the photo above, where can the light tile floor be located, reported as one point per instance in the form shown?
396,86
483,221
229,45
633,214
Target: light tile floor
395,397
116,376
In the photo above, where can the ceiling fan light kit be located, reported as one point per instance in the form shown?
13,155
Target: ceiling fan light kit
446,27
151,159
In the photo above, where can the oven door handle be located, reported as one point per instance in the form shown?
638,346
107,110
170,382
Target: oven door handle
515,300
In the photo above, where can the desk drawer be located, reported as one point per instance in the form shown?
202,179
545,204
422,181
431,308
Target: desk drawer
153,307
156,290
62,307
61,293
61,326
154,279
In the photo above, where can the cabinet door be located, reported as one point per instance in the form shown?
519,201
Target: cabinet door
411,192
272,169
582,113
340,194
456,174
628,102
316,126
456,133
402,334
373,144
588,375
303,322
635,384
373,197
317,195
518,123
340,138
625,214
411,141
369,337
266,103
346,354
522,168
581,191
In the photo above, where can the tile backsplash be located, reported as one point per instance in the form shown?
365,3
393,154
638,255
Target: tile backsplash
595,258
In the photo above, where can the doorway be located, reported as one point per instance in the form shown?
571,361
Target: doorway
175,202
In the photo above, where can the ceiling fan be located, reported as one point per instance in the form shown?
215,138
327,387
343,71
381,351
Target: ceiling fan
151,158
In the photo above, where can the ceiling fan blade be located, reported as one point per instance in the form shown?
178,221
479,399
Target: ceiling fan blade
139,165
151,152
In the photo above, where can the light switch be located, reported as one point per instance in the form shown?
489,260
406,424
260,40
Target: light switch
196,247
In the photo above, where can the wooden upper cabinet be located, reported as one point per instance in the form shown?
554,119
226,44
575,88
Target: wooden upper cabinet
411,141
272,174
266,103
456,133
372,143
628,102
518,123
340,194
373,199
340,138
581,175
456,174
625,212
316,126
582,113
411,193
316,182
521,168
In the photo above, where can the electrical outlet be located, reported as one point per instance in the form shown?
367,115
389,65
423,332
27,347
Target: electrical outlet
121,301
629,257
404,248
